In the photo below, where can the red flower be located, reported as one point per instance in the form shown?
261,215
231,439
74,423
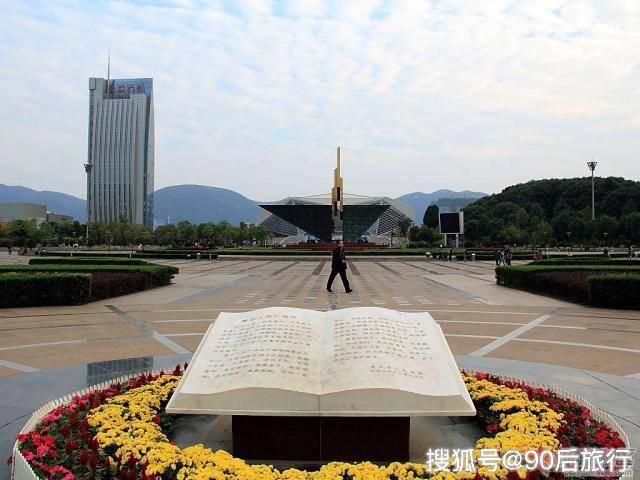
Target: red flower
84,457
71,446
28,455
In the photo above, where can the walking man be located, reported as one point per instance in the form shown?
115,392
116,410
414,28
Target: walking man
338,267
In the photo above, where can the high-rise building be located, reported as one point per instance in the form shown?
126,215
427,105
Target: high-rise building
120,151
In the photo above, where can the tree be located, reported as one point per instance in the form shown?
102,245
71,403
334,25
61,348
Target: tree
207,233
629,226
403,226
511,235
187,232
226,232
166,235
429,235
563,203
46,234
430,218
140,234
23,233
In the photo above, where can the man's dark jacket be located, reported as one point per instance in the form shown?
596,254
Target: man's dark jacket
338,261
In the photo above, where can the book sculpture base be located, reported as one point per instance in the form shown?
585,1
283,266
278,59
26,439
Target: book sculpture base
308,385
377,439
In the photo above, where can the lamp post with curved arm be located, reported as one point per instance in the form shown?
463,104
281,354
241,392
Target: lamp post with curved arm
592,167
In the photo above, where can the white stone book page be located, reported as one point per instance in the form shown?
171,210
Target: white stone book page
384,362
276,348
371,347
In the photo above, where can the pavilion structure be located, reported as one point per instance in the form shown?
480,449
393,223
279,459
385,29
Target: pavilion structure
335,216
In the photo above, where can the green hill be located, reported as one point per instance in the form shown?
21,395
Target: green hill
558,210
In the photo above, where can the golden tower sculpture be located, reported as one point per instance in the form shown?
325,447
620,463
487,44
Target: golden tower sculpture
337,192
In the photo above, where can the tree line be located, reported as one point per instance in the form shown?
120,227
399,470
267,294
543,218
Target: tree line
557,211
26,233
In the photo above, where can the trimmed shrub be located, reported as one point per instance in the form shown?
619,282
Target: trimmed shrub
150,255
114,284
563,281
614,291
488,256
94,261
85,261
40,289
110,280
585,261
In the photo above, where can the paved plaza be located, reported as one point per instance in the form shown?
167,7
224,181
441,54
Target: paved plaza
478,317
50,351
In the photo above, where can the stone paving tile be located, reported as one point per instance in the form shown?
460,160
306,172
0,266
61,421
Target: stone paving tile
629,340
189,342
79,332
473,329
465,345
607,321
5,372
618,363
93,351
480,316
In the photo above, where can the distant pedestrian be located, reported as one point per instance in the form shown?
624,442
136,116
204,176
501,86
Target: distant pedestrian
339,267
509,256
450,254
629,253
503,259
498,255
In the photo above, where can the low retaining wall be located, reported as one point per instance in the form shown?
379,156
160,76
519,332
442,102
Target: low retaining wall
21,470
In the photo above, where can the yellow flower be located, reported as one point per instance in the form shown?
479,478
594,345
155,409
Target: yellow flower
126,423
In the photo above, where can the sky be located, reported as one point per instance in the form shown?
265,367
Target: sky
255,95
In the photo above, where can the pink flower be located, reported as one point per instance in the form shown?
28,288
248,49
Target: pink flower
42,450
52,416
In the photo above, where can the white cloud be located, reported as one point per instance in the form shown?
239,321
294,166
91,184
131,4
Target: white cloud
255,95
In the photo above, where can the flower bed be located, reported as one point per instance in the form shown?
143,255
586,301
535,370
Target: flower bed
118,432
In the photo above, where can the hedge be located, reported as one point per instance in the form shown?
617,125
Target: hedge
578,260
149,255
99,261
40,289
107,280
614,291
564,281
85,261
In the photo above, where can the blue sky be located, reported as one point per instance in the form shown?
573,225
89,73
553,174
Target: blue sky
255,95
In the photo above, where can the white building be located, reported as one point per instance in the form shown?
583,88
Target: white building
23,211
120,150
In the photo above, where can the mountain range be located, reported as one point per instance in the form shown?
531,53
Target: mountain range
200,203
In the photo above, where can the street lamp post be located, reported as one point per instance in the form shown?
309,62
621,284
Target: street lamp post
592,167
87,168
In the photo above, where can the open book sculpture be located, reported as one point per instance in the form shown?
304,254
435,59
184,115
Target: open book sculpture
365,361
